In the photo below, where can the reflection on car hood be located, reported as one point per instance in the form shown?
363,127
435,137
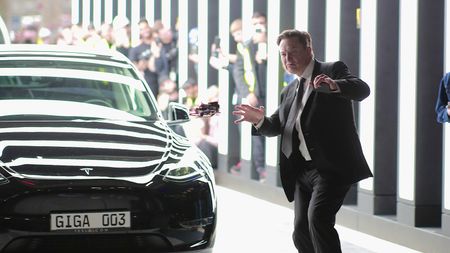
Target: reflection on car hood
62,109
88,149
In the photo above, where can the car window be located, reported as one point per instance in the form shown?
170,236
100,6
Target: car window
108,86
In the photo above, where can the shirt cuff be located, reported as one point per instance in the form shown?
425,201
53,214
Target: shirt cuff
337,90
259,124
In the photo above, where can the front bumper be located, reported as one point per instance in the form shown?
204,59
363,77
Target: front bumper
165,217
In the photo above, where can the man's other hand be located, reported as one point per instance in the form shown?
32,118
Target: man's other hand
248,113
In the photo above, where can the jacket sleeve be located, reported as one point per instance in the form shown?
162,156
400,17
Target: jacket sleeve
351,87
442,100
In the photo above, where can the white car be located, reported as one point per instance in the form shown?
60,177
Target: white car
89,164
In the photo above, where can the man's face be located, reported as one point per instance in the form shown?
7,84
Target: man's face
144,30
294,56
258,22
237,36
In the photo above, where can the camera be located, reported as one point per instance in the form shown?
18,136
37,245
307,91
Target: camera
145,55
216,46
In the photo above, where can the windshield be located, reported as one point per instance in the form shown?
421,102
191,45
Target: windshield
103,91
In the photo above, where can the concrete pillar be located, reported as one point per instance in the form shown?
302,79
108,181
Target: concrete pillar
420,137
378,195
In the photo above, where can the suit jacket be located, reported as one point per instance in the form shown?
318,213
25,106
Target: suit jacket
328,127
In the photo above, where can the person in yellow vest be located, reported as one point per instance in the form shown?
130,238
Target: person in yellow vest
250,73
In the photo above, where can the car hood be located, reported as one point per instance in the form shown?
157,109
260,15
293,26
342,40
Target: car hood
94,149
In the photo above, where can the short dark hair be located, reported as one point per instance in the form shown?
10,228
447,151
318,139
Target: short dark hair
191,82
258,14
303,37
143,20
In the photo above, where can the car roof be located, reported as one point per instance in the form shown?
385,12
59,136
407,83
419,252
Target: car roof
79,52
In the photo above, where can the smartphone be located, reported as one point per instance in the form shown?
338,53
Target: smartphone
217,42
217,46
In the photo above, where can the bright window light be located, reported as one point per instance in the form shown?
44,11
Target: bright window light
301,15
75,11
224,31
86,13
407,99
332,30
368,69
273,74
446,149
108,11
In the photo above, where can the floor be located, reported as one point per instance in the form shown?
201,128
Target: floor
247,224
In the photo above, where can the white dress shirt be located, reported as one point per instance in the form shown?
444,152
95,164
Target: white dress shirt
307,74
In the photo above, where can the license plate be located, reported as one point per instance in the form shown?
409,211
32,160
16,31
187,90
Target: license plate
89,222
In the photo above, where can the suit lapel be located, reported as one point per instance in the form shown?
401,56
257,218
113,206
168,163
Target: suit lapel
290,96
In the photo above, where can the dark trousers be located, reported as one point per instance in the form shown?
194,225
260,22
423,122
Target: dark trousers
258,151
316,203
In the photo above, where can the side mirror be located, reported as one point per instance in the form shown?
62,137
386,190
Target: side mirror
178,113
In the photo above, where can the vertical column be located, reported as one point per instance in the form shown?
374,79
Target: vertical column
332,29
97,11
260,6
86,16
349,52
173,14
150,11
446,133
213,29
108,11
378,129
134,20
122,8
421,64
75,11
158,9
225,90
247,170
281,16
192,23
115,8
301,15
183,40
203,48
229,151
316,27
142,8
166,12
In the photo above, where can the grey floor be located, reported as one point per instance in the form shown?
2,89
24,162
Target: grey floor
247,224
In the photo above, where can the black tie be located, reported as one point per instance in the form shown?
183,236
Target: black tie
287,141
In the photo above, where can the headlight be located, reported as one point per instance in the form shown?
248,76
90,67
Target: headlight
182,174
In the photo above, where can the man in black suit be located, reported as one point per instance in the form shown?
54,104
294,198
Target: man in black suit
321,155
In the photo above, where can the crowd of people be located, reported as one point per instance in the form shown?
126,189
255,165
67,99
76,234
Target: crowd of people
248,66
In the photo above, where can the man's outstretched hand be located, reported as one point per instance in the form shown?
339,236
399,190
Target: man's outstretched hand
248,113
